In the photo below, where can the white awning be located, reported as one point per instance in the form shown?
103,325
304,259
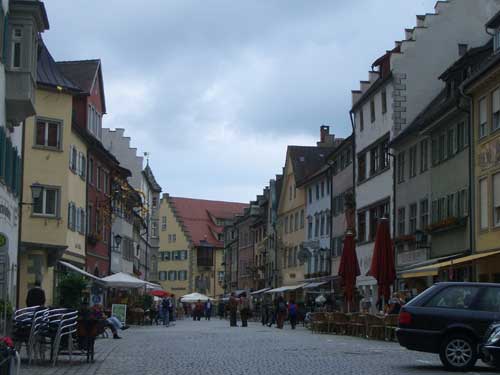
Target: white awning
123,280
314,285
82,272
153,286
260,291
195,297
286,288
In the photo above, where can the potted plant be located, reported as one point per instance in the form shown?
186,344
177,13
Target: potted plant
71,289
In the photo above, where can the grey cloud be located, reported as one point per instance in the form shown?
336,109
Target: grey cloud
178,72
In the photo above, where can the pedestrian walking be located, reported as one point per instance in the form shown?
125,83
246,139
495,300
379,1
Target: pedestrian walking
208,309
165,307
199,310
266,312
281,313
244,309
233,310
221,307
292,313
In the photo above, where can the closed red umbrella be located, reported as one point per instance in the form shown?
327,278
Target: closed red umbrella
382,267
349,268
159,293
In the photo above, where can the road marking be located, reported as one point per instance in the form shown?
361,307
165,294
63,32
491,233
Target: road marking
424,361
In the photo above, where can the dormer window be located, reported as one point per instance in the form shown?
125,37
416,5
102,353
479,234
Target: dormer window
496,40
17,36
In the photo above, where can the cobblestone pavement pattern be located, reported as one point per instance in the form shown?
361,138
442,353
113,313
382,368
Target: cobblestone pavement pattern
212,348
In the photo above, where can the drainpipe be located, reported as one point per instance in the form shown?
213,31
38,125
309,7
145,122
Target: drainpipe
353,125
20,215
472,214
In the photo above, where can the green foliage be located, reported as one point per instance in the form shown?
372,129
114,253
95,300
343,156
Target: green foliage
71,288
9,309
147,301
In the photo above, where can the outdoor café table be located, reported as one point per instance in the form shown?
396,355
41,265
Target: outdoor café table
88,329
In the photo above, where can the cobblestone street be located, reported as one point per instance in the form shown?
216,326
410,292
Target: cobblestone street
213,348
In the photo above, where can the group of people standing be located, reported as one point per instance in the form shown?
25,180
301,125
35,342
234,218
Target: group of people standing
241,304
200,309
278,311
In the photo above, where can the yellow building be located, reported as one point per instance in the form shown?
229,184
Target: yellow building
54,187
173,262
484,89
191,254
291,216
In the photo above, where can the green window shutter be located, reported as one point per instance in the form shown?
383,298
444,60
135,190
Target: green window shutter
19,175
15,167
5,39
8,162
2,152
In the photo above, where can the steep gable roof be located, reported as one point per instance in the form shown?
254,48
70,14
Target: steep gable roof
151,179
194,216
48,73
306,160
85,73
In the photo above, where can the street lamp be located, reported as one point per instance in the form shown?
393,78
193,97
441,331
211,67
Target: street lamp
36,190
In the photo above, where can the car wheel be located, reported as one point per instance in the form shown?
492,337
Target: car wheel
458,352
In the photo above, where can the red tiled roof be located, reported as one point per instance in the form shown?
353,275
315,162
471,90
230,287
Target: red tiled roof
194,215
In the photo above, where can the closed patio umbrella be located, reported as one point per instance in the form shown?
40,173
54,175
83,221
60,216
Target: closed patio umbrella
349,268
382,267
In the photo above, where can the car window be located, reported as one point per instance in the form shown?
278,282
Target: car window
489,300
454,297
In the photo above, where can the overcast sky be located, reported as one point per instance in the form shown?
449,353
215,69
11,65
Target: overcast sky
215,90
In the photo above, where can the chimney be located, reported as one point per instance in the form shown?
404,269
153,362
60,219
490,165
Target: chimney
324,131
326,139
462,49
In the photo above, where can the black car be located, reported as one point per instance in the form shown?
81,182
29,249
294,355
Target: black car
490,350
450,319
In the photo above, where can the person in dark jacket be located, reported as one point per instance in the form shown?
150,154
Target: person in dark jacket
36,296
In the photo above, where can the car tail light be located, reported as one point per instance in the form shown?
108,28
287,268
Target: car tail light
404,318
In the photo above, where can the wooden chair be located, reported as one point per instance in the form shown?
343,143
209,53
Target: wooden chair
390,323
330,322
341,322
357,325
318,322
375,327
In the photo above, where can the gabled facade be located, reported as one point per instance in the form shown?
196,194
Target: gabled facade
483,89
191,256
432,185
301,163
397,90
21,23
54,183
88,109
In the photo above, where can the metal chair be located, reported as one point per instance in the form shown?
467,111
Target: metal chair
67,327
49,329
36,329
22,327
